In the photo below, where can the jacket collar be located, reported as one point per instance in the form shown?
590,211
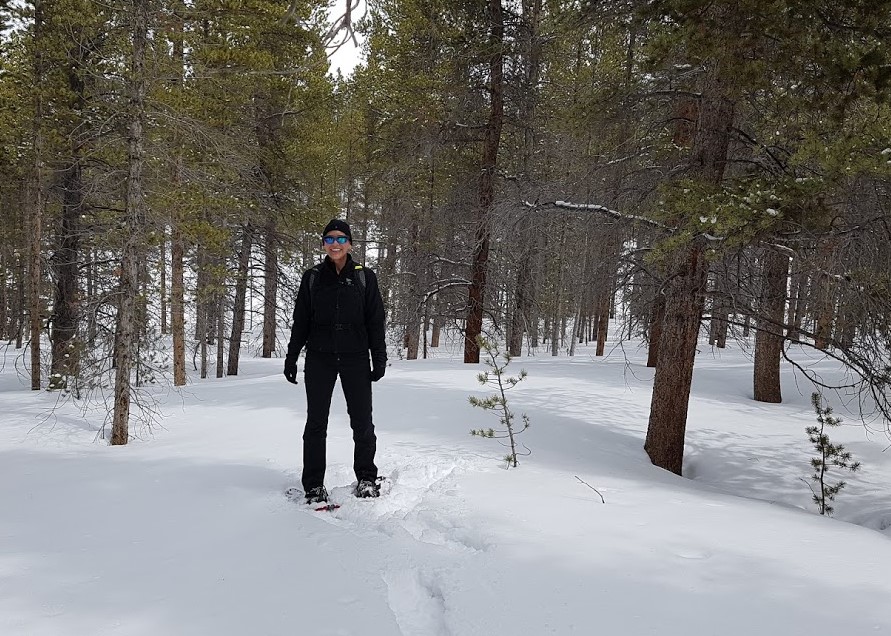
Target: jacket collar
348,266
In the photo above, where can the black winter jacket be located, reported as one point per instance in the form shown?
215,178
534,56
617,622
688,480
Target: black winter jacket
336,317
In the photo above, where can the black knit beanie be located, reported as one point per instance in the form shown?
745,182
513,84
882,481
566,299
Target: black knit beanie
340,226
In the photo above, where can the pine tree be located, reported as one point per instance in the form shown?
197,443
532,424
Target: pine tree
497,402
829,456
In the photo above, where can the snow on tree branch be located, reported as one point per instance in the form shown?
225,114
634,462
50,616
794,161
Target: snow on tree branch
601,209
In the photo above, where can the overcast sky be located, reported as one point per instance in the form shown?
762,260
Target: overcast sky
348,55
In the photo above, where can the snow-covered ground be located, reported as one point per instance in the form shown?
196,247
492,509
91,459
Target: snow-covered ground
186,530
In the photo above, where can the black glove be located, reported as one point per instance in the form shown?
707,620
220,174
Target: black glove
377,372
291,369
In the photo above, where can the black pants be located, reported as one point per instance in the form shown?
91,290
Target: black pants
320,373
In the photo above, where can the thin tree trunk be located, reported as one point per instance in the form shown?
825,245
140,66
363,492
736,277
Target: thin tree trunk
413,317
20,302
602,321
794,318
435,333
36,203
221,333
125,334
177,246
769,334
719,322
90,282
162,276
238,308
202,299
270,287
4,297
825,311
177,313
521,306
486,186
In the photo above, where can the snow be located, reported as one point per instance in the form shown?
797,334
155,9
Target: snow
186,530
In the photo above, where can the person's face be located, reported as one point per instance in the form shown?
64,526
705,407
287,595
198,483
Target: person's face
333,247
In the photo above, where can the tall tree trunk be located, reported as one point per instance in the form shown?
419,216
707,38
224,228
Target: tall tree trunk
4,296
602,321
685,291
125,334
20,302
684,298
769,334
66,260
36,202
66,307
719,322
793,321
654,331
414,262
825,311
221,331
238,307
270,287
177,244
202,299
435,333
177,305
489,161
520,316
162,280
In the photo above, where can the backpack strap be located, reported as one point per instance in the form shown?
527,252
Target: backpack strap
314,273
360,276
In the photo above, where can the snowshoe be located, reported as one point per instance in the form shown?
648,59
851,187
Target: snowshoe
368,489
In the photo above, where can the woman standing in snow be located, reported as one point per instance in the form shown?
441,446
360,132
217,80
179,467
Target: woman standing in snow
339,319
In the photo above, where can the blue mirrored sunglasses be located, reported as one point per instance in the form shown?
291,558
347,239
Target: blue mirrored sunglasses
330,240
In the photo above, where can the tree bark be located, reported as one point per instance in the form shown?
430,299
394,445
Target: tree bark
769,333
684,298
125,334
20,302
5,328
719,322
685,290
202,299
795,301
657,316
162,281
36,203
270,286
177,312
177,244
479,268
825,311
602,321
238,307
221,332
414,263
66,311
520,316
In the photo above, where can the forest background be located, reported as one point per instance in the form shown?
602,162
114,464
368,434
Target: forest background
524,170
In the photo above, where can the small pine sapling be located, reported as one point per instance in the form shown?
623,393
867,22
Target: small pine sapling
829,455
497,402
